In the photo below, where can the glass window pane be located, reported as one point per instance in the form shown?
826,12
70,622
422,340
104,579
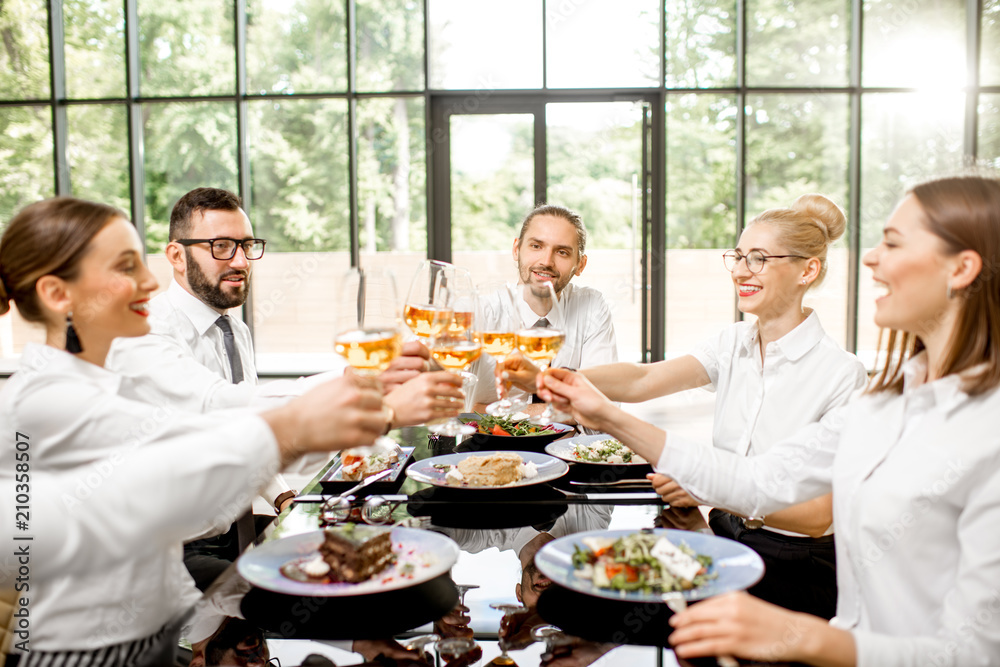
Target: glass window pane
186,146
701,217
477,45
595,167
24,58
492,180
392,207
296,47
989,130
299,177
97,152
989,63
797,144
603,44
26,171
95,48
186,48
914,44
701,43
390,48
299,202
798,44
898,149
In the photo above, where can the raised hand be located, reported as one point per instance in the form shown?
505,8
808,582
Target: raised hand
411,362
429,396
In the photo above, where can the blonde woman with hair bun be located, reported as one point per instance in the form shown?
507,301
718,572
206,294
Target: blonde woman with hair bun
772,376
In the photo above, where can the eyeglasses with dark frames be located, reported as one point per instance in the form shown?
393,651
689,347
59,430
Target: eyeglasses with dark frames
755,259
225,248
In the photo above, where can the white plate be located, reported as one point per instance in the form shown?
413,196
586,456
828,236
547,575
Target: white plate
565,449
738,566
431,554
549,468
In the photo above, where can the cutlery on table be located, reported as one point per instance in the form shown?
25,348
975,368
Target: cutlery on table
620,482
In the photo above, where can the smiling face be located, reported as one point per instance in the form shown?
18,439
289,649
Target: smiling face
912,271
222,284
109,299
777,289
549,252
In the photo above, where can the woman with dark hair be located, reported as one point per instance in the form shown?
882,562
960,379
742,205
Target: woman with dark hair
75,268
914,465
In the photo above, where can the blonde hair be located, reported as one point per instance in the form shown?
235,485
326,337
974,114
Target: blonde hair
807,228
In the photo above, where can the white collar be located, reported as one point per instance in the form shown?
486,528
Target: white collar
796,343
202,315
947,391
41,358
529,316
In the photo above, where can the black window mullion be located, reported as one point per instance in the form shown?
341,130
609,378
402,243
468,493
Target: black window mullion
854,178
57,91
741,122
973,45
242,146
352,139
134,112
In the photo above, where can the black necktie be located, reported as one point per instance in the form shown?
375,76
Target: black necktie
246,530
235,363
542,323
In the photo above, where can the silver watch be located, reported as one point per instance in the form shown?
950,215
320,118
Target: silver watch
753,522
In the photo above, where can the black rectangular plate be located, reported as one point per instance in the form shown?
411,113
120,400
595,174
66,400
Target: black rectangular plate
332,482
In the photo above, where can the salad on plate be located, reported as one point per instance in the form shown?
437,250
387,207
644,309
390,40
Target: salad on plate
640,562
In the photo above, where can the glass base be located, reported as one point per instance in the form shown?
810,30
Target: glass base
505,407
452,427
550,416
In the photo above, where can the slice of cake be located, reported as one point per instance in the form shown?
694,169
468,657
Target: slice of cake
493,470
356,552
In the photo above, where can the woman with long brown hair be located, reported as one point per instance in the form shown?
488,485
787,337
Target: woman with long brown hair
914,465
75,268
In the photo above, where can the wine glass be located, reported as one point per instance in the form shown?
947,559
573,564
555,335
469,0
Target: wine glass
508,611
541,340
455,347
368,334
427,311
496,325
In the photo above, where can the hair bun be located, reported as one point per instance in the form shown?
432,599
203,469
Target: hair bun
4,299
824,212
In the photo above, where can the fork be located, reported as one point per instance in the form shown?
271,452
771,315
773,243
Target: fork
677,604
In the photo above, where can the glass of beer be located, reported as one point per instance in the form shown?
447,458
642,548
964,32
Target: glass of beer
541,337
496,325
369,335
427,310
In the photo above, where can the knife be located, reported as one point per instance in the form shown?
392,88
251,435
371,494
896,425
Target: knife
621,482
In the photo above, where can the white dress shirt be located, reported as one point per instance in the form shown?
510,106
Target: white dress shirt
76,421
916,492
182,363
586,321
804,375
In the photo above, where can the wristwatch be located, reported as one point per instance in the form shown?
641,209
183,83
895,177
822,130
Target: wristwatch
282,498
753,522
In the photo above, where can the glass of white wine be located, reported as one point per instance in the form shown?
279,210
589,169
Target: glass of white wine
369,335
455,348
496,325
427,311
541,339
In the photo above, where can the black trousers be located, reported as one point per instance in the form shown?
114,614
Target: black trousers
800,573
207,558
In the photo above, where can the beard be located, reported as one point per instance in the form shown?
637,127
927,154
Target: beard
212,292
558,281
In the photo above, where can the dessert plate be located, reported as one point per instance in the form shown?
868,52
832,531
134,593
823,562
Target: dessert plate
421,555
434,469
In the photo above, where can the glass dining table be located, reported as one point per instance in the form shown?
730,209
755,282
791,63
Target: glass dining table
493,606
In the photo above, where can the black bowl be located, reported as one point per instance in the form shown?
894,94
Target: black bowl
522,443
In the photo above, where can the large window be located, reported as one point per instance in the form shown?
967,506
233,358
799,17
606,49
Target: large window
321,114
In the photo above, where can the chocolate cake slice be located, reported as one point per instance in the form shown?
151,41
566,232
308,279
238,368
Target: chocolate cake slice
356,552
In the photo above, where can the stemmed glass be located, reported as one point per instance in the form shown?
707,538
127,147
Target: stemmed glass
455,348
538,342
496,324
508,611
368,328
427,311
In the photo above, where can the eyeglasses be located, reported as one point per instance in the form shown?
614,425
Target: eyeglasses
225,249
755,259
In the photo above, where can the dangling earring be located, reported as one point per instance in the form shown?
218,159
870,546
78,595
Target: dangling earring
949,293
73,345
